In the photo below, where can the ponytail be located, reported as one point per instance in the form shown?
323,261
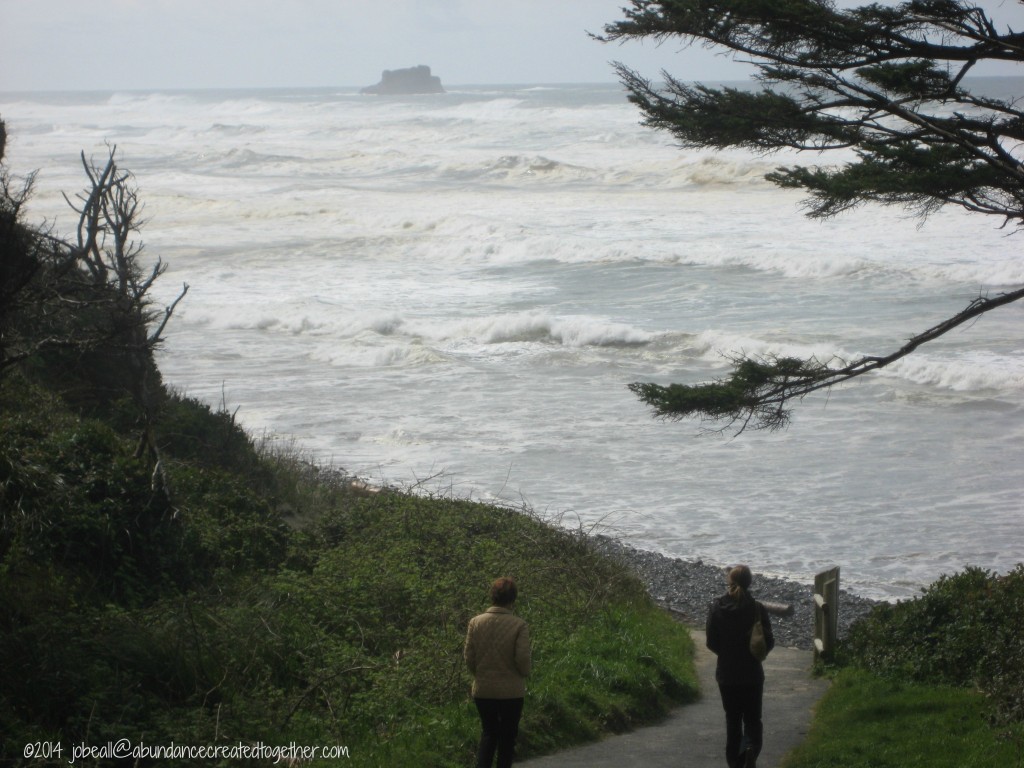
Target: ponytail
740,578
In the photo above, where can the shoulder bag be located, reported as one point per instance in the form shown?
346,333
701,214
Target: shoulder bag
758,646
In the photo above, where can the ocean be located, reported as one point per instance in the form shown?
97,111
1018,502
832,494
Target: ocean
450,293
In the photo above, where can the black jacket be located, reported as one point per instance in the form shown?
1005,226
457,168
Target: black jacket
728,636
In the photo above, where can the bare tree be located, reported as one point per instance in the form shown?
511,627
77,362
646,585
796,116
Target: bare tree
107,249
90,295
110,218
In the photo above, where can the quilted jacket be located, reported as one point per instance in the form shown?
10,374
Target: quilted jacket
497,653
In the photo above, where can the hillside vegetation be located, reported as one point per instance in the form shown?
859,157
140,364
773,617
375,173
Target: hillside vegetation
935,681
165,579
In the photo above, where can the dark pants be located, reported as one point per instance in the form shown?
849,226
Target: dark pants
743,727
499,719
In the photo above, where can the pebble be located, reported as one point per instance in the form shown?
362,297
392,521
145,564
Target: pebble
687,588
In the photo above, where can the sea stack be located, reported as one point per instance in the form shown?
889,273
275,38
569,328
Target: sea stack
404,81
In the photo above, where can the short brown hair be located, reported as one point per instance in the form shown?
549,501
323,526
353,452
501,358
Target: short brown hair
503,591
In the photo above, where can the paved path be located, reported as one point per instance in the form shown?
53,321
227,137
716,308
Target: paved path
693,736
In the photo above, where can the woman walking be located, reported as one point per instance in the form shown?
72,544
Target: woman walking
739,673
497,652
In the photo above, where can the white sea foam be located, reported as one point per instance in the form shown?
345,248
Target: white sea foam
722,345
572,331
976,373
468,282
526,328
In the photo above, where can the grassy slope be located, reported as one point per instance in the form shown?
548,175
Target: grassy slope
866,721
210,618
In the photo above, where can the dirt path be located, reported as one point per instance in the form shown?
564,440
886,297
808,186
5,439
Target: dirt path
693,736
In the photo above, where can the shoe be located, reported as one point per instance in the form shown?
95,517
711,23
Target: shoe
750,759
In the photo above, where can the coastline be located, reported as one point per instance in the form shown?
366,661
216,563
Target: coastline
686,588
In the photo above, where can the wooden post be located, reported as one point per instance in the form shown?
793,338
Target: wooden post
826,612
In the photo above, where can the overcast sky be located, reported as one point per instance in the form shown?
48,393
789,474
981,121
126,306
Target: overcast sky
154,44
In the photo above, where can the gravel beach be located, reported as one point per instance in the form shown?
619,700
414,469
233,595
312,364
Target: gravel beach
688,587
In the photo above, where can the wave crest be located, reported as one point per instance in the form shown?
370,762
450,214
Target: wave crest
570,332
977,373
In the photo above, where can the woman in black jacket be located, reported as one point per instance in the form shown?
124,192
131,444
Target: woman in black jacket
739,674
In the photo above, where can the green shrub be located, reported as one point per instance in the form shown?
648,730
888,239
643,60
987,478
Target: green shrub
192,432
228,524
964,630
74,495
1001,671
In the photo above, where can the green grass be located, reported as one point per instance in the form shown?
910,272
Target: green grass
399,577
865,721
583,688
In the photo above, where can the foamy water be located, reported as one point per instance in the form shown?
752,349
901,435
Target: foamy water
455,291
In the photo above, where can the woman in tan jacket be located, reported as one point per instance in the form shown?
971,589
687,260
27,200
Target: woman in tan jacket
497,653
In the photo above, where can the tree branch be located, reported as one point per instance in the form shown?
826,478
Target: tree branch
757,393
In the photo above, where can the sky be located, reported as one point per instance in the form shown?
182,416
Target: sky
166,44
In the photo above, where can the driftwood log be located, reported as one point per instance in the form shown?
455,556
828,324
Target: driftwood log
778,609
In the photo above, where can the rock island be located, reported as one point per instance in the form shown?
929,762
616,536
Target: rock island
405,81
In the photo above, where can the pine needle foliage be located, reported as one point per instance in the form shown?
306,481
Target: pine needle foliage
886,83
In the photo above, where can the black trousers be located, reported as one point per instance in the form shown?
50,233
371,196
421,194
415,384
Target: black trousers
743,727
499,719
